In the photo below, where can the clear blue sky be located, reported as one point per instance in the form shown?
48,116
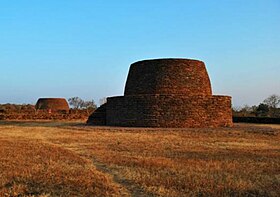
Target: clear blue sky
65,48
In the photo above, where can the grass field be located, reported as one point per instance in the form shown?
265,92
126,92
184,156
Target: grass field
71,159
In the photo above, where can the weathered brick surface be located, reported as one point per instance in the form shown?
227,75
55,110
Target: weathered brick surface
168,76
53,104
99,116
169,111
167,93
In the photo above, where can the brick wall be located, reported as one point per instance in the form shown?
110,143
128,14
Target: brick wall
169,111
168,76
45,115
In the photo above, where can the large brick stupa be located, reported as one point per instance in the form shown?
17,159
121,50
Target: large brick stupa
166,93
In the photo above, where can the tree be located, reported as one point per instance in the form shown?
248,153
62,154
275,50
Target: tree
76,102
272,101
88,105
262,110
245,111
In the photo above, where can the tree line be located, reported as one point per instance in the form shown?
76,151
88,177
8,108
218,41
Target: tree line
74,102
78,103
270,107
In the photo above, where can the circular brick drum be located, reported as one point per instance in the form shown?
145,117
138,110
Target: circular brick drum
168,76
53,104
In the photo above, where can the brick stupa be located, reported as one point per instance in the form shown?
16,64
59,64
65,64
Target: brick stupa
52,105
166,93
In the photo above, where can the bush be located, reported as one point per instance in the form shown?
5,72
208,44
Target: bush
262,120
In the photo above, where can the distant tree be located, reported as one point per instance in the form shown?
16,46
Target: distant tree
236,109
88,105
272,101
262,110
102,101
244,111
75,102
254,110
78,103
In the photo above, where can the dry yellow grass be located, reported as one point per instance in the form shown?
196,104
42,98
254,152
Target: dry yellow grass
70,159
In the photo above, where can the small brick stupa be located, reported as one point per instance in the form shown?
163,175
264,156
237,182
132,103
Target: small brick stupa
52,105
166,93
